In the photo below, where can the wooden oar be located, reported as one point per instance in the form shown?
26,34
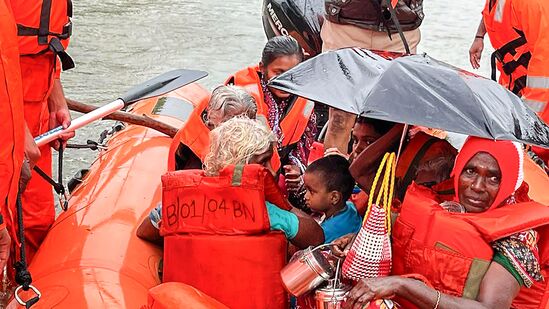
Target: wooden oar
125,117
154,87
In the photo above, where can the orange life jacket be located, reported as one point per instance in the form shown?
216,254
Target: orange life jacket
530,18
194,134
44,26
421,148
217,235
11,118
511,55
293,124
453,250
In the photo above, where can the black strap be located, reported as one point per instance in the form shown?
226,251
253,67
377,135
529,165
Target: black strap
511,66
57,186
493,67
57,48
510,47
397,25
69,8
44,28
520,83
22,274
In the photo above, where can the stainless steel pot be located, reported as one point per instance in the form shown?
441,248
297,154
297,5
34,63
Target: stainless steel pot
306,271
331,297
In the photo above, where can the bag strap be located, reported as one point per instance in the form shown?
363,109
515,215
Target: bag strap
237,175
386,190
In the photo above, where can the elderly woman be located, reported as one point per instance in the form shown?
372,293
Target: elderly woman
190,144
240,141
479,250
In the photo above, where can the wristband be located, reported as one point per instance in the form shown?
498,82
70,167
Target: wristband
479,37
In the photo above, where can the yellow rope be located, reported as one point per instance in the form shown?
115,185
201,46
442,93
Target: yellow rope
374,184
386,189
391,190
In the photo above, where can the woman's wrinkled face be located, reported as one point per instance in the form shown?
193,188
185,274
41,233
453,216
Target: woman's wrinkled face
479,183
263,159
277,67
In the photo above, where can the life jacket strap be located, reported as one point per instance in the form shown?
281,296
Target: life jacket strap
57,48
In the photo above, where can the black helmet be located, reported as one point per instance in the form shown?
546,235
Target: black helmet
300,19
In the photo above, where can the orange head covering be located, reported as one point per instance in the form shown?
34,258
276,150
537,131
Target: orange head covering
509,156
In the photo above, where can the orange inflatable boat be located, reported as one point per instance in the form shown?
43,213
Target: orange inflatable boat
91,257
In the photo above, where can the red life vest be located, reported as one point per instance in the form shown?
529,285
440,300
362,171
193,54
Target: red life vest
293,124
217,235
453,250
44,26
194,134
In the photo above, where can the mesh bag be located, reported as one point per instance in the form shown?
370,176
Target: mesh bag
370,254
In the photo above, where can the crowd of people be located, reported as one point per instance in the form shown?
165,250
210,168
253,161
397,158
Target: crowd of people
463,256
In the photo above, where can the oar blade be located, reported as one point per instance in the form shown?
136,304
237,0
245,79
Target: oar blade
162,84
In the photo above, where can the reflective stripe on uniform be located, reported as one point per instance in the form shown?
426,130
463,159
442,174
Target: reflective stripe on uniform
498,16
537,82
307,110
536,106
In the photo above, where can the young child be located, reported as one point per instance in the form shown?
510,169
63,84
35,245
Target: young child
329,185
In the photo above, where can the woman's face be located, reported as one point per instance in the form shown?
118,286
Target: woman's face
277,67
479,183
263,159
364,134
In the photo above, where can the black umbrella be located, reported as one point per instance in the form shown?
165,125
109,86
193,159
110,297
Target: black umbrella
417,90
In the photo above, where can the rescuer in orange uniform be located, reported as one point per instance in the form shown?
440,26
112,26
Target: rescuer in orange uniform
517,30
43,29
15,139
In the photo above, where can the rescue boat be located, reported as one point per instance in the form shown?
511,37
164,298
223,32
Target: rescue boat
91,257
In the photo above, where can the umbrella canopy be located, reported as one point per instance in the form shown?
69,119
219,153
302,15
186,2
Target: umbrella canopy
417,90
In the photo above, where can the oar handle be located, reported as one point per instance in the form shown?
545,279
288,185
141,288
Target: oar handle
79,122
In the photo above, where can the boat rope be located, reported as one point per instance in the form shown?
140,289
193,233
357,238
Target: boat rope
57,186
22,275
93,145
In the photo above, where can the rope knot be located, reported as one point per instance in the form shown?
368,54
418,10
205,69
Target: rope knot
22,275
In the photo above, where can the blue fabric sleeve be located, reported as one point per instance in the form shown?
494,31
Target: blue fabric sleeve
156,215
343,223
283,220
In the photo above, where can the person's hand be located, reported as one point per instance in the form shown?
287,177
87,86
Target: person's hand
59,112
367,290
475,52
341,246
26,174
61,117
5,242
32,152
292,176
335,151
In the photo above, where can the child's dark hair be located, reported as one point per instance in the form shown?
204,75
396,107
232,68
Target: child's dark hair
280,46
335,174
380,126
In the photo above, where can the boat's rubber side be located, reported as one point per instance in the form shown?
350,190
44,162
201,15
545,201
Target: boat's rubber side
91,257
